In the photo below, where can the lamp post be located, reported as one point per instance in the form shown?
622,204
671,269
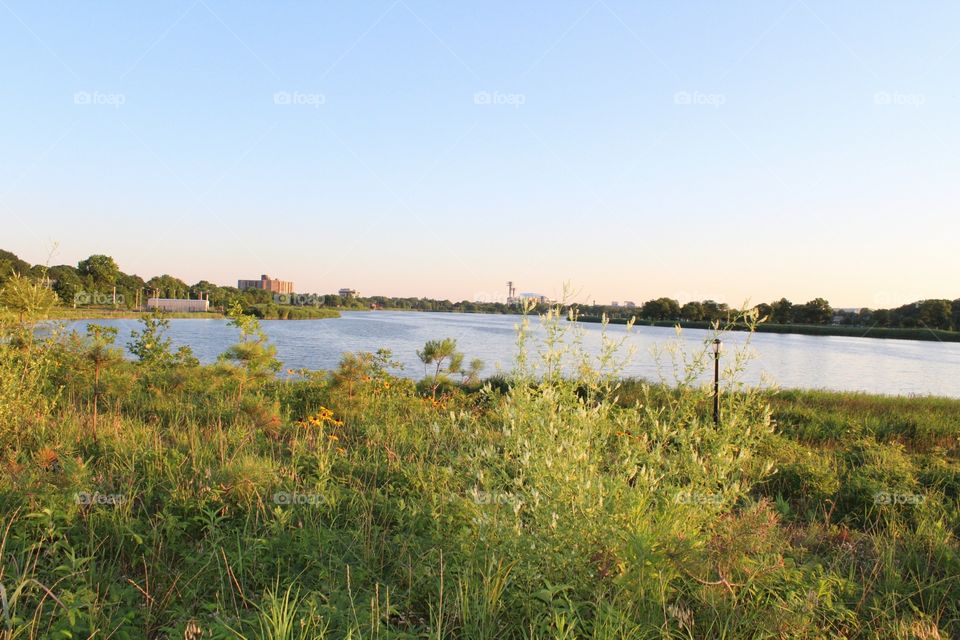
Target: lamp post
717,346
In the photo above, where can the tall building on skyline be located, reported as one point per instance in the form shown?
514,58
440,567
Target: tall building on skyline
273,285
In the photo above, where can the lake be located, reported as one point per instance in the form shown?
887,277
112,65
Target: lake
896,367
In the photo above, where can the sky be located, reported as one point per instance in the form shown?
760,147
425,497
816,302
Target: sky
734,151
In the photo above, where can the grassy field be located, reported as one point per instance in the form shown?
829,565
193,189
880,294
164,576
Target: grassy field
164,499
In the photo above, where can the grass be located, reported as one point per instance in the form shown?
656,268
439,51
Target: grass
96,313
220,502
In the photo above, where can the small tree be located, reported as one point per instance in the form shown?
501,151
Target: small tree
150,346
26,297
100,354
446,360
253,354
472,373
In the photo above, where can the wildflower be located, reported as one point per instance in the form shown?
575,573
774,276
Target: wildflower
333,438
324,415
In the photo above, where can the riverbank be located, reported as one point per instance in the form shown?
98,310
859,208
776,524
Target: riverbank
264,312
88,313
168,497
897,333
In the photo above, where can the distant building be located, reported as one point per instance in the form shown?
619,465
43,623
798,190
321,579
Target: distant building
630,304
615,303
266,283
349,293
177,305
539,298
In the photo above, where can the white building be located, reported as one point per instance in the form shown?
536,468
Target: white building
539,298
177,305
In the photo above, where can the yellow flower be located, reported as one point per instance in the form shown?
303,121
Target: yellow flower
333,438
323,415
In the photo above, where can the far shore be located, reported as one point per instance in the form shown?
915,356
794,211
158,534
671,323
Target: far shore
889,333
93,313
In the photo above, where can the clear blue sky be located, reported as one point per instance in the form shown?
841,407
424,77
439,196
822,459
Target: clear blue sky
635,149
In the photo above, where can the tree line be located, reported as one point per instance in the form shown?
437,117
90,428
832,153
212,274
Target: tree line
98,280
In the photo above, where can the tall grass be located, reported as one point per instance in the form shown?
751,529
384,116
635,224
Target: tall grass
558,502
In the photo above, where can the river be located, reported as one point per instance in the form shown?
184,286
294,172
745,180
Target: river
895,367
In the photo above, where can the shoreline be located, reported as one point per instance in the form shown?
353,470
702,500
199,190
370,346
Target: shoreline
882,333
129,314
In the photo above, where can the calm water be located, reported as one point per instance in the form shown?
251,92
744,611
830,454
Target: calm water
791,361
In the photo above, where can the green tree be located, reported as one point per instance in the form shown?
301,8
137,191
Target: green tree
446,360
10,264
935,314
781,311
816,311
27,297
715,311
881,317
254,356
150,345
167,286
100,354
692,311
764,311
661,309
101,270
66,282
472,373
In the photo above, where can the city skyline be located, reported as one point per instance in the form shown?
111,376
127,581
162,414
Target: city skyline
504,295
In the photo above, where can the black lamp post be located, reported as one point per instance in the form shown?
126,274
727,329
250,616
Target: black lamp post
717,346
